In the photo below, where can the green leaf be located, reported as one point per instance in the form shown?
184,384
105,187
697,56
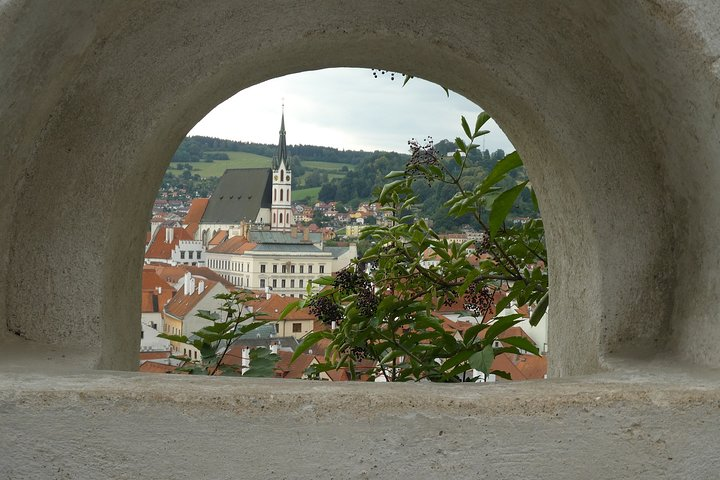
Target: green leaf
173,338
500,325
502,206
483,359
292,306
395,174
501,374
510,162
540,309
262,363
522,343
308,341
465,127
481,119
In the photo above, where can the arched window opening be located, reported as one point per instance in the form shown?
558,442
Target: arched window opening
335,194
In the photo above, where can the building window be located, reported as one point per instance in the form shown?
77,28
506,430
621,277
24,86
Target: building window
282,283
302,268
274,283
198,252
262,268
297,327
309,268
322,268
182,255
292,283
284,268
190,254
301,283
262,283
275,268
292,268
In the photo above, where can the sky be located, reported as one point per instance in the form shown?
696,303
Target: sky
346,108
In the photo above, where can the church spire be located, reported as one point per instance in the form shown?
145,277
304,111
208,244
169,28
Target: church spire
281,155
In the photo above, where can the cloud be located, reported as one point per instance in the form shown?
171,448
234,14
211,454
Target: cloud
346,108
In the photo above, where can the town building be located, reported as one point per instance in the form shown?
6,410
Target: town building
281,262
174,246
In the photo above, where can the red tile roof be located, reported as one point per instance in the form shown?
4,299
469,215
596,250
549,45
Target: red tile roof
155,355
295,369
182,304
274,306
237,245
521,367
196,211
153,367
218,238
161,249
173,274
154,287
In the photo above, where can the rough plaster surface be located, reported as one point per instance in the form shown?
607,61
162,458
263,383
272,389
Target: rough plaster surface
132,426
612,105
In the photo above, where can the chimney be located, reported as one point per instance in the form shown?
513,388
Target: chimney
306,234
188,286
169,234
267,293
293,231
201,287
274,347
245,359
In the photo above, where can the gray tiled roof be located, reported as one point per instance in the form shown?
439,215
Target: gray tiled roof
265,236
240,194
284,247
337,251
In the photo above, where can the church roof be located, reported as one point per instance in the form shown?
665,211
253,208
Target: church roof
239,196
265,236
281,154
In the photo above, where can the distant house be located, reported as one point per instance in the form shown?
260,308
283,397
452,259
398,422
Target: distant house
297,323
156,293
180,314
174,246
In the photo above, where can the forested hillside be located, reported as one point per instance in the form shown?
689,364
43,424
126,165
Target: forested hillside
328,174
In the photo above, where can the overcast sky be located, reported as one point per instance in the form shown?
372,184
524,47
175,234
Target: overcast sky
346,108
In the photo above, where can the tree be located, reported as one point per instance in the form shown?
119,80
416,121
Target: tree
381,305
214,340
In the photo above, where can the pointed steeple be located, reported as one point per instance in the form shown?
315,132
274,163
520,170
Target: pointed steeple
281,155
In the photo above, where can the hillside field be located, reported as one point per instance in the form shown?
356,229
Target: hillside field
217,167
250,160
311,193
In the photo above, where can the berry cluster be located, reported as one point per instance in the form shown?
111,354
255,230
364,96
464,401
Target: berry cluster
478,299
483,246
359,353
354,281
325,309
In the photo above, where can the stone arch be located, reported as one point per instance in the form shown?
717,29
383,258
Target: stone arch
613,107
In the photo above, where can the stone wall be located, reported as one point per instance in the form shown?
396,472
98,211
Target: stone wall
613,106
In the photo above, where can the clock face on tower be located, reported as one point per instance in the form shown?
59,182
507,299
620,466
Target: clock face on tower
287,178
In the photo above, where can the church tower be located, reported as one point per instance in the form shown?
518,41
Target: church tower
281,215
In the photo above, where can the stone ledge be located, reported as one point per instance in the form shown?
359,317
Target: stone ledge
131,425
